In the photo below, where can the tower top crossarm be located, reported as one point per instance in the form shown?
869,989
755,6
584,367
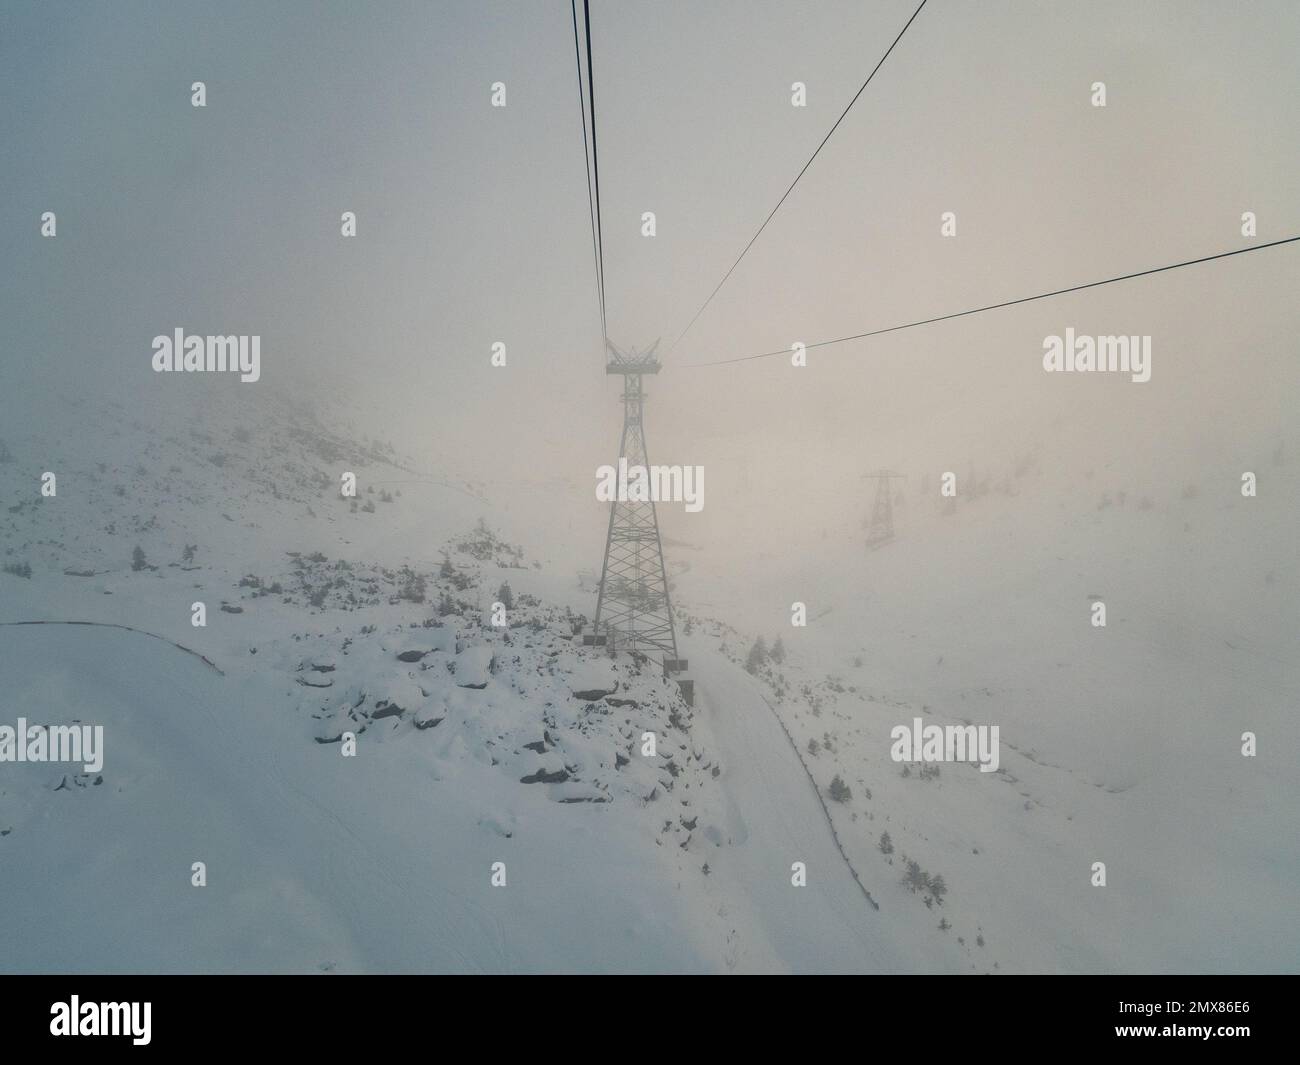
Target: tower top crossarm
633,362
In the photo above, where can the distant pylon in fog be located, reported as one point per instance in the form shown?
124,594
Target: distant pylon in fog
881,530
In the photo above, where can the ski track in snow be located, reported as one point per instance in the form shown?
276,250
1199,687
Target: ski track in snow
828,925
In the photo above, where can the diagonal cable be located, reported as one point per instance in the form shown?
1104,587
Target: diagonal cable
591,206
1007,303
806,165
595,164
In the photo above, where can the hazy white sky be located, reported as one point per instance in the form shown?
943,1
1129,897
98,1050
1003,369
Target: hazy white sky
474,222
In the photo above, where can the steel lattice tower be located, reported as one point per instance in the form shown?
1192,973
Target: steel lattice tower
882,511
633,609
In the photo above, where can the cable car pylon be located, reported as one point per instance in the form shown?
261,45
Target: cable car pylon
634,609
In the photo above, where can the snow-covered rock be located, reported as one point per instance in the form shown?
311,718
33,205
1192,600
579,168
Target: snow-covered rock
474,666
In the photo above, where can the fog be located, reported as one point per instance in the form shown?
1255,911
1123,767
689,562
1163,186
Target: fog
473,228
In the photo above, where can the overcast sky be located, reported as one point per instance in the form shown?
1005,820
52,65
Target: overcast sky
473,223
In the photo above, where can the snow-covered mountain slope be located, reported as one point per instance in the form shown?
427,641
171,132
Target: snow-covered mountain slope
330,619
1121,744
313,862
474,743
